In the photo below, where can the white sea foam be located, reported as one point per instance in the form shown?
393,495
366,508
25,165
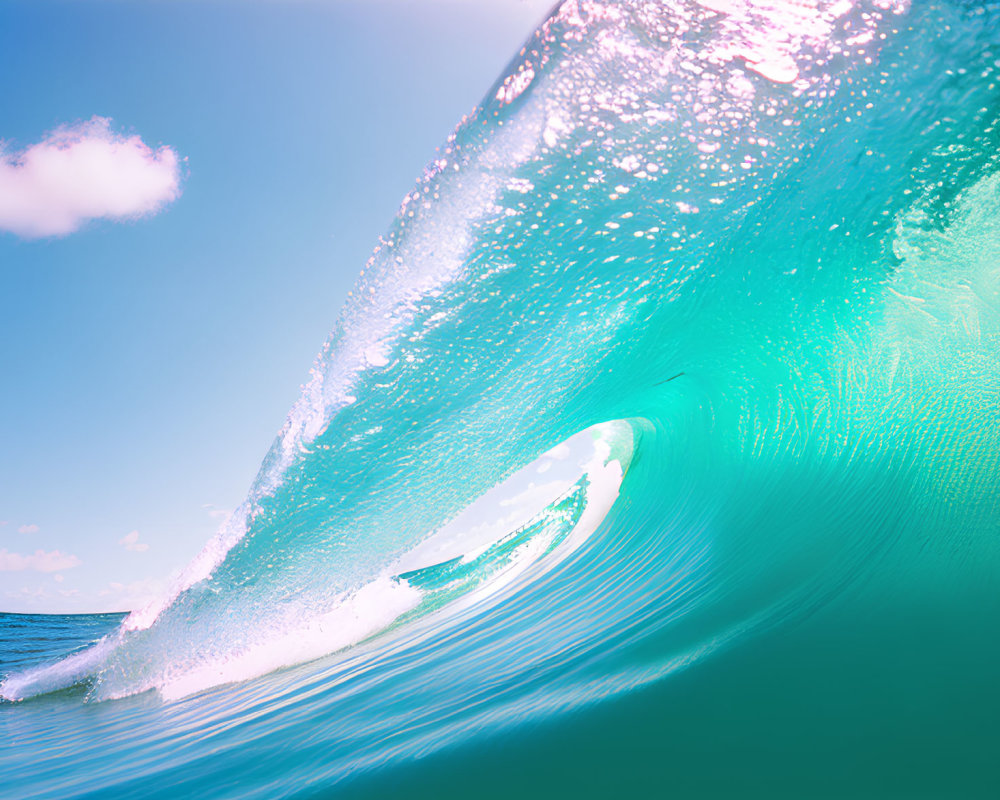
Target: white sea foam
60,675
370,609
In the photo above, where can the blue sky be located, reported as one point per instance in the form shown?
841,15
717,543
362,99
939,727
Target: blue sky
147,363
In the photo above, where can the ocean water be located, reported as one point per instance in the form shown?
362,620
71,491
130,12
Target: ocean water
655,453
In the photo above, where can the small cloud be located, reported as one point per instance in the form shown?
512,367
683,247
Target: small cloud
130,541
39,561
58,578
82,172
28,529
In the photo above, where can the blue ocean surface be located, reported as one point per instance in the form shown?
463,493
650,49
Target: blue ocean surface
655,453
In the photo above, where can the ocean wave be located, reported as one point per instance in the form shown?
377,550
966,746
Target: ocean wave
689,332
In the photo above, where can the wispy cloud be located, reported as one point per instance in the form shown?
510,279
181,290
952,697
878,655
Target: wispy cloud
28,529
83,172
130,541
39,561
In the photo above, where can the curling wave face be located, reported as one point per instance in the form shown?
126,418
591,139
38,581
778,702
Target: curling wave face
746,254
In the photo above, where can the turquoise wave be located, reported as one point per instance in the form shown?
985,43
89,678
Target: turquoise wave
687,338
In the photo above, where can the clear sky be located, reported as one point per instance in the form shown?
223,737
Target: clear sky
187,192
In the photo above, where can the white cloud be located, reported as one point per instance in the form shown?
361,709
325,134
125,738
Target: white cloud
28,529
130,541
39,561
83,172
